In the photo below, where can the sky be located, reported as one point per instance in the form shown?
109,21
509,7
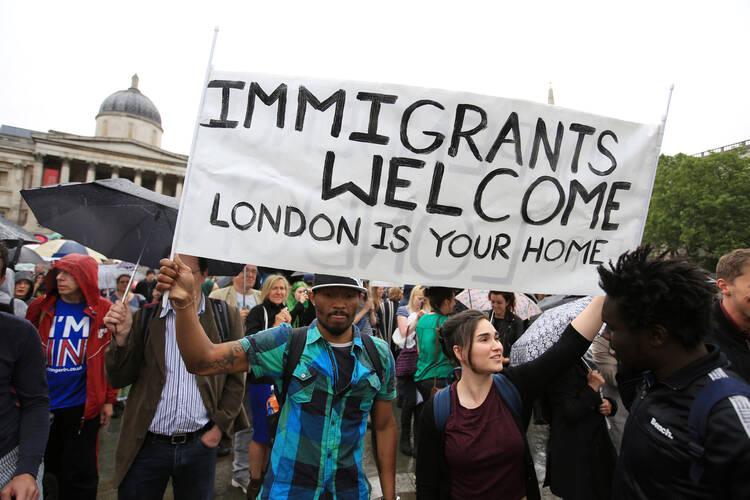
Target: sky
60,60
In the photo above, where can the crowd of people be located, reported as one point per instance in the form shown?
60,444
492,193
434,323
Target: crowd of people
645,392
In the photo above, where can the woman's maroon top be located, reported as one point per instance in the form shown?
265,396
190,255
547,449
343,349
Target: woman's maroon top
484,450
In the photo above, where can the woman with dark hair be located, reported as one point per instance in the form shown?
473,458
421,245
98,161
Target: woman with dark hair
503,318
133,300
433,366
480,450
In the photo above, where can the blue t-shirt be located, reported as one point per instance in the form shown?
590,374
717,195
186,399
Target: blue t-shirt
66,355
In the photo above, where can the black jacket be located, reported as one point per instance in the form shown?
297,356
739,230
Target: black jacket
262,316
433,476
654,461
580,455
731,342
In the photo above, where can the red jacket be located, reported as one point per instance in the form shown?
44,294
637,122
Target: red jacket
41,313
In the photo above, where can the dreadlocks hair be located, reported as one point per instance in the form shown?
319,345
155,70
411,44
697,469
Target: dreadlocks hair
650,291
459,330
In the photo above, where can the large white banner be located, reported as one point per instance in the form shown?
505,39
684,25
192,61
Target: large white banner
412,185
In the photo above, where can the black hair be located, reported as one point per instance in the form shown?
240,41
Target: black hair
437,295
203,264
150,271
510,300
459,330
4,258
673,293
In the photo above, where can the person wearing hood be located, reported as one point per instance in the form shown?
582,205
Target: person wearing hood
8,303
24,288
69,318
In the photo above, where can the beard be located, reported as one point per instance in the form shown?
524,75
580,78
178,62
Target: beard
335,330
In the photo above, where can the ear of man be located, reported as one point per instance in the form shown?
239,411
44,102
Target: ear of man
658,336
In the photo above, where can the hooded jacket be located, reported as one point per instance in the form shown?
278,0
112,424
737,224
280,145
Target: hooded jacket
42,313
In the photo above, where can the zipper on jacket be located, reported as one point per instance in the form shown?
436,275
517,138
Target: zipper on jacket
334,368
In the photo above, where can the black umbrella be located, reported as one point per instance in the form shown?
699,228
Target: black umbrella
115,217
11,233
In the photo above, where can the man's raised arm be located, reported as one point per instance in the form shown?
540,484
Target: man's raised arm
201,356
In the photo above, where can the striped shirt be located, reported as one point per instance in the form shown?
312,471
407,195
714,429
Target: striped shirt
318,447
181,407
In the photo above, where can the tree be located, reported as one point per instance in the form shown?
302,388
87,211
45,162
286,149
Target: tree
700,207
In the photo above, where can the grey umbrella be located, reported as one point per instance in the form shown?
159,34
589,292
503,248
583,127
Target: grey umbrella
25,256
115,217
11,233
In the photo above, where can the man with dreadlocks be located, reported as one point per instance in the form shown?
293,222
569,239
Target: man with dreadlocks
658,313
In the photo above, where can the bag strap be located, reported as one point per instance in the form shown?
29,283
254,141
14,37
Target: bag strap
295,344
372,353
434,378
441,408
698,418
509,393
221,317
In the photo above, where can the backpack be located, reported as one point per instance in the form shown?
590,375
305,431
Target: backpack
218,307
698,417
441,404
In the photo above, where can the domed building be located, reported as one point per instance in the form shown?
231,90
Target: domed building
126,144
130,114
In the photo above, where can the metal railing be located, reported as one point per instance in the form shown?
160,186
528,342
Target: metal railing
736,145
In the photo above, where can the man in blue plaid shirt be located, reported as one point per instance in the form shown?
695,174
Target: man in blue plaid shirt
318,448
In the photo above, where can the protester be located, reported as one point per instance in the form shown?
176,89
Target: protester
365,317
298,305
69,321
433,366
329,464
503,319
406,365
8,302
580,455
24,409
386,315
173,420
732,313
146,286
24,288
133,300
241,293
658,312
480,449
272,312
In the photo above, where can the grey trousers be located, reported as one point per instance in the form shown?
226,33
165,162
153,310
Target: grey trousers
8,468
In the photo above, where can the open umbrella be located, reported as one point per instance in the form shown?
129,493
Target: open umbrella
525,307
25,256
114,216
474,298
545,331
57,249
11,233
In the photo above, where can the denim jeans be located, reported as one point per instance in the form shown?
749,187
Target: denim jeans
192,467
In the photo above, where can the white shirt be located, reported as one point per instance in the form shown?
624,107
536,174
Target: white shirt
181,407
250,301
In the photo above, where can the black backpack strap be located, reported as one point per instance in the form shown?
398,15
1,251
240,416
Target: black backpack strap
372,352
295,344
698,418
221,317
147,313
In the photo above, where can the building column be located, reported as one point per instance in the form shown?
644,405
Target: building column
159,186
91,172
178,188
137,179
38,172
115,172
65,171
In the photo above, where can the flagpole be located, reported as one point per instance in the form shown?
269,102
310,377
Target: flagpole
186,182
656,160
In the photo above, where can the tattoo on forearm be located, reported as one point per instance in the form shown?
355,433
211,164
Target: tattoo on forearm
226,362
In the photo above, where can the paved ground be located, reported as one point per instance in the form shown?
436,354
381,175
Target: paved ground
405,485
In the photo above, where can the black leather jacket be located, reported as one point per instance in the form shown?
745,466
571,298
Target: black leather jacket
654,461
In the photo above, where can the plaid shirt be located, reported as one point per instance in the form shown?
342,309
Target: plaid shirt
318,447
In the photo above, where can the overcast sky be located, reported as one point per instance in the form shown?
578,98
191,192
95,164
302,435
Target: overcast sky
60,60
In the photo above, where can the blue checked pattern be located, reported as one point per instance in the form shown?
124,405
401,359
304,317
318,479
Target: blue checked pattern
318,447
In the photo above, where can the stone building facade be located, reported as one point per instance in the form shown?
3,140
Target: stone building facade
126,144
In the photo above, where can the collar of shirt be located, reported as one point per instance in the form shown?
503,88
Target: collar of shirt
169,308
